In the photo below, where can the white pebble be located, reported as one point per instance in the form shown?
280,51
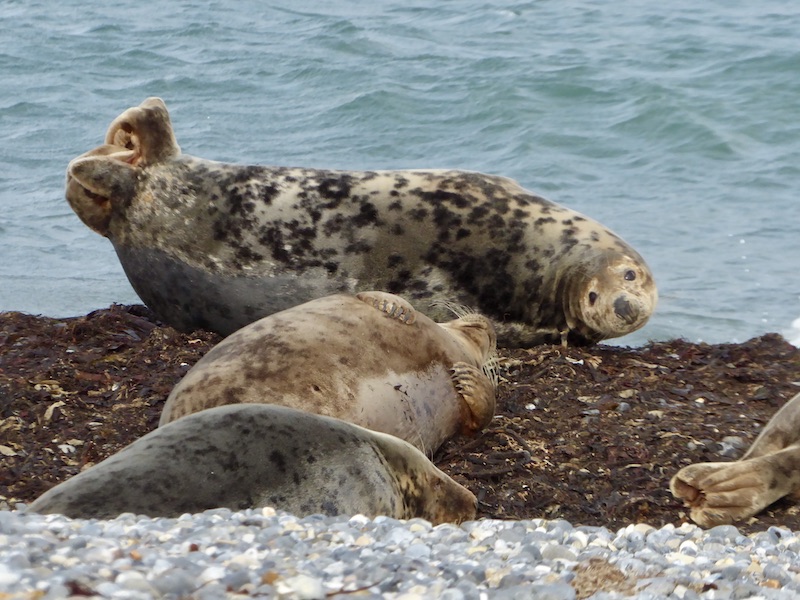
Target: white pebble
7,576
302,587
210,574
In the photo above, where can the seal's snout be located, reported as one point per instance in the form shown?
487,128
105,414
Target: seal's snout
625,310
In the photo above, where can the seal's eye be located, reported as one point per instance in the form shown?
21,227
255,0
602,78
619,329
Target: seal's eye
630,275
592,298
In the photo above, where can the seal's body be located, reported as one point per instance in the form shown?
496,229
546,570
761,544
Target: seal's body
254,455
720,493
218,246
369,359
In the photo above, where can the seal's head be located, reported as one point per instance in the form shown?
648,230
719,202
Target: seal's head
476,334
102,182
423,489
445,501
609,295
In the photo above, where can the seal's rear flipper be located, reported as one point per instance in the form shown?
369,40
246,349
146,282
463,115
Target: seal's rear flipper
95,183
147,131
721,493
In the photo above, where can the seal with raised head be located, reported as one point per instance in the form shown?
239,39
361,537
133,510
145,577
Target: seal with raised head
720,493
256,455
370,359
217,246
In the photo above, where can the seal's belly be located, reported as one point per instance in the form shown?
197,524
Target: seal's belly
188,297
420,407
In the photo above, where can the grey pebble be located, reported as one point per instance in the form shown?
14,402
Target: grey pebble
554,552
175,582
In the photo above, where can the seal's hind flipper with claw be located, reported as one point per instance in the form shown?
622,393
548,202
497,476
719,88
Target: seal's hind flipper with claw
393,306
478,392
147,131
722,493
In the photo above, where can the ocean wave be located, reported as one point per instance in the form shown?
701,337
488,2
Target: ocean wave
793,333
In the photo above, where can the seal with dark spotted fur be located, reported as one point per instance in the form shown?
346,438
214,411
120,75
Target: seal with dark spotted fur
369,359
255,455
720,493
217,246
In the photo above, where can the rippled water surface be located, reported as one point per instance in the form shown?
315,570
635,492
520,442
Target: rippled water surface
676,124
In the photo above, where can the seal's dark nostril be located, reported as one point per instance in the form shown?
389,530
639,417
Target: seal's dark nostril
592,298
625,310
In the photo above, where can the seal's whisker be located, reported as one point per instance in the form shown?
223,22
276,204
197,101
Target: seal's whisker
420,443
459,310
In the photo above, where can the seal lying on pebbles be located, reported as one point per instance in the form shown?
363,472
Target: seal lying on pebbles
369,359
255,455
217,246
720,493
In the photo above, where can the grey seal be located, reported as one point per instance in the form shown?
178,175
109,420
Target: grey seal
217,246
370,359
255,455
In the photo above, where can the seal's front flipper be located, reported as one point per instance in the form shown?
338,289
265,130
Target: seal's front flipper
394,306
95,184
477,391
147,131
721,493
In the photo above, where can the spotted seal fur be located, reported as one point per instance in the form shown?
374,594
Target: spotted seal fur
217,246
255,455
720,493
370,359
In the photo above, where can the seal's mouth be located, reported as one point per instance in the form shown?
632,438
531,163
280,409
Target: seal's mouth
94,180
101,201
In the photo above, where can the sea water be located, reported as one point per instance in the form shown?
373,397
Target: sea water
677,124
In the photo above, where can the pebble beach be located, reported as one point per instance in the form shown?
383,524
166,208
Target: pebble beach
264,554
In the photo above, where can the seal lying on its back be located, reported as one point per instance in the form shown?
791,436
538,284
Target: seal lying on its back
371,360
255,455
720,493
218,246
